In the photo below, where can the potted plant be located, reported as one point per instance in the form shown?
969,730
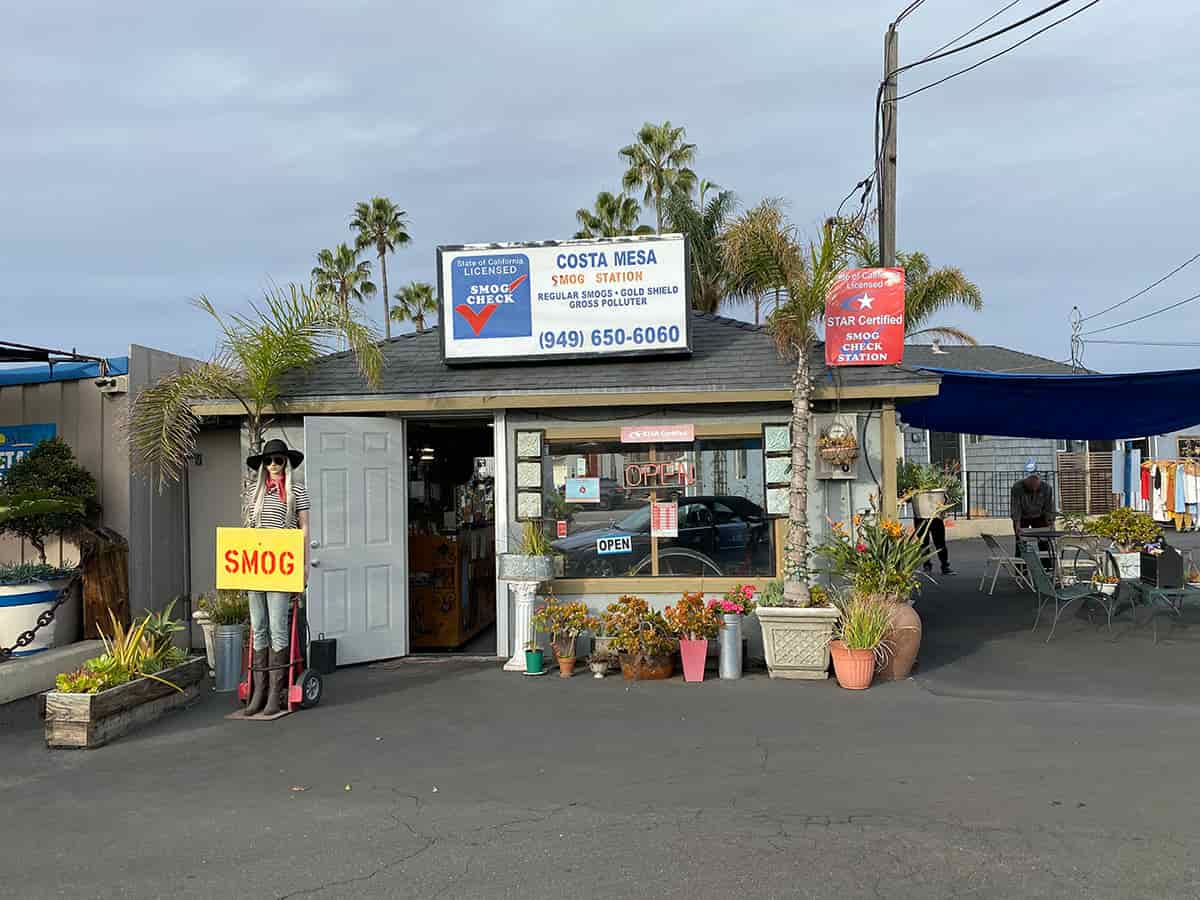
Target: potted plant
1105,584
838,446
737,602
694,623
929,488
881,560
641,638
1193,576
229,614
140,676
860,643
534,559
1129,531
598,665
795,637
564,622
29,590
534,660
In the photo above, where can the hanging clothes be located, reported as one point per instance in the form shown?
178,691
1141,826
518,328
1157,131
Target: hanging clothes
1146,484
1158,500
1135,480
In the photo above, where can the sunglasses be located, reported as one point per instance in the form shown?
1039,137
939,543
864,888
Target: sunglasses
278,460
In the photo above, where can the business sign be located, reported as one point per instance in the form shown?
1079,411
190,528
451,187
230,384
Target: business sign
658,434
614,545
660,474
664,520
864,318
582,490
613,297
17,440
260,559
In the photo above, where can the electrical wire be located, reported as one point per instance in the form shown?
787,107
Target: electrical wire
1143,290
1149,343
1146,316
988,59
908,10
971,31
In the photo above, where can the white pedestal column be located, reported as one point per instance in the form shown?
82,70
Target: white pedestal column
523,597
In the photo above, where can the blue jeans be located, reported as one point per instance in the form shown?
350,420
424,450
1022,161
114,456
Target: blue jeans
269,609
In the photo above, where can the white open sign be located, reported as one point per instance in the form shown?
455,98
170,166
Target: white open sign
609,546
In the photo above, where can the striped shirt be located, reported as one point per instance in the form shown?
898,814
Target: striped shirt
274,510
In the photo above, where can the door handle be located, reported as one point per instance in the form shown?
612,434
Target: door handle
314,563
315,544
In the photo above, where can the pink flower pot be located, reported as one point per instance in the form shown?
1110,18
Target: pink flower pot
693,654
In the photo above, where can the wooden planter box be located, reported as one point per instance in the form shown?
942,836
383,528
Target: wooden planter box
92,720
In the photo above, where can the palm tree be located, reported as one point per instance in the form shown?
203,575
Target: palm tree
792,325
289,331
615,215
658,162
762,255
341,276
927,292
380,224
413,302
704,224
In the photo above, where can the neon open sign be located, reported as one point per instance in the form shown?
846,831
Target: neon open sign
660,474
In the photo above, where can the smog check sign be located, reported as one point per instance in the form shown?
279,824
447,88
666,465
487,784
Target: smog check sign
260,559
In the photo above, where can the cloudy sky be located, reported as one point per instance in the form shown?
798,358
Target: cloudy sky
154,152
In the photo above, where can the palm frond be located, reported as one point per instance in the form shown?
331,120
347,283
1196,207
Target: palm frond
947,333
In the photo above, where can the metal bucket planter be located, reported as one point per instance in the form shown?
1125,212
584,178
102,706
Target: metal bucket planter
730,642
228,644
926,504
642,667
20,606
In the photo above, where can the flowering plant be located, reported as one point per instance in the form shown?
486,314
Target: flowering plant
737,601
691,618
635,628
883,559
1127,528
565,622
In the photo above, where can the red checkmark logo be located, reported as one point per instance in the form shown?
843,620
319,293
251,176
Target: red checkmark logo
476,319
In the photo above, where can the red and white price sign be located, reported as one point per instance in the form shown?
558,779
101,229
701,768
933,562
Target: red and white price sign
664,520
562,528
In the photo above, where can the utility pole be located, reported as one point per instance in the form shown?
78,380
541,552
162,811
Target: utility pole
887,160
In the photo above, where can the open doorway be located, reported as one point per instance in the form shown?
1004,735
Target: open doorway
451,536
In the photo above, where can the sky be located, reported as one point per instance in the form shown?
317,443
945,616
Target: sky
157,152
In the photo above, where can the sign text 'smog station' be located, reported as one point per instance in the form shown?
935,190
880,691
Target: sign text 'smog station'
624,296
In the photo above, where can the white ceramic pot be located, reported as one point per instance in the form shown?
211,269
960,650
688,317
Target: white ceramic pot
206,626
796,640
926,504
20,606
1129,565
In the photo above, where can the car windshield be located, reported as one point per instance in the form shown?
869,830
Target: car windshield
637,521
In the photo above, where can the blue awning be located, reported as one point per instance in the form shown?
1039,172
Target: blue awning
40,373
1066,407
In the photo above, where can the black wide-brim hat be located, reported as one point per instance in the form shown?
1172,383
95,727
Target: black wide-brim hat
274,448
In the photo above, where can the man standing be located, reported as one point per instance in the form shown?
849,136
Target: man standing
1031,503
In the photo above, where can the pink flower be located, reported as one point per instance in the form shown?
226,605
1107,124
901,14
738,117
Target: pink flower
748,591
861,548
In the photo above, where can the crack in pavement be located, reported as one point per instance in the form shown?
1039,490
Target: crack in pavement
359,878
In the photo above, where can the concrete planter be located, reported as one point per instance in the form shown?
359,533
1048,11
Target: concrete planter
206,627
517,567
20,606
796,640
92,720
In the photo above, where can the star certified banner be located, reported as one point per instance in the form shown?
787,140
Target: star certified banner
620,296
864,318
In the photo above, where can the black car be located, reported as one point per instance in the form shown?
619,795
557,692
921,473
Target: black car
717,536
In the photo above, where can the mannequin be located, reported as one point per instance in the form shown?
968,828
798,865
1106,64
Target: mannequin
272,500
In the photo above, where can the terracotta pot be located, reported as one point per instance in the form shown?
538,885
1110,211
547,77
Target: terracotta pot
566,666
693,654
640,667
901,643
854,668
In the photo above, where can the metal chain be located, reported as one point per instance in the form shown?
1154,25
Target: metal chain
25,638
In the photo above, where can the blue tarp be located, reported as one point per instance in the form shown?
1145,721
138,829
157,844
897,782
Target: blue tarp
39,373
1066,407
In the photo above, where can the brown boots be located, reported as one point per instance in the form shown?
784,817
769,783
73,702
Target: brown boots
258,684
275,693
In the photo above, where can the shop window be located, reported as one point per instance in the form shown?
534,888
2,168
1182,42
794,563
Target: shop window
591,494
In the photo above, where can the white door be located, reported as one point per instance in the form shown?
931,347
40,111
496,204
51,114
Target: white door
358,587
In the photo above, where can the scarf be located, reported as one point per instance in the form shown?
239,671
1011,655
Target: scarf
277,484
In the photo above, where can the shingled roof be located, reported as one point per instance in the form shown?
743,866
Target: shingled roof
727,355
982,358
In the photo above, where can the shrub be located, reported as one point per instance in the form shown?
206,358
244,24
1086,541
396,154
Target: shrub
565,622
636,629
1129,529
692,618
227,607
49,470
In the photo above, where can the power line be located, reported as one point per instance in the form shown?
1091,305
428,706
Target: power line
1143,290
1149,343
988,59
1146,316
971,31
911,8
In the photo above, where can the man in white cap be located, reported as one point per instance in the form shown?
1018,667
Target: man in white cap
1031,502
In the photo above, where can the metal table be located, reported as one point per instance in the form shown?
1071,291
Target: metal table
1157,601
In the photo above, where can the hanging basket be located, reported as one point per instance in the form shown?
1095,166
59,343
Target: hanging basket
838,446
839,456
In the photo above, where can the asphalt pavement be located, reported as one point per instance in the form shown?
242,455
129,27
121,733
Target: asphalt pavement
454,779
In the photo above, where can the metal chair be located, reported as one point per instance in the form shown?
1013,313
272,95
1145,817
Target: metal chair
1062,597
1003,561
1080,557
